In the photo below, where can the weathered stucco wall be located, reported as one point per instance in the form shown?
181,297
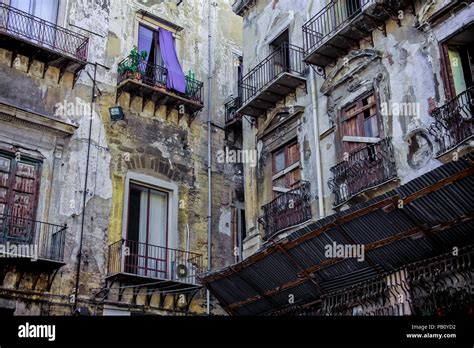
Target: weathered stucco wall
144,143
402,67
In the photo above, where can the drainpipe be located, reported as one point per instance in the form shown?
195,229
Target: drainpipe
319,178
209,151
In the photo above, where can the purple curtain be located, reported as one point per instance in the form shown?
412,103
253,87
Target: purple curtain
175,79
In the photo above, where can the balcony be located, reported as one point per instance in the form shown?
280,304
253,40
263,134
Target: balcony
140,262
365,168
454,122
240,7
287,210
24,240
272,80
340,26
37,39
231,115
149,83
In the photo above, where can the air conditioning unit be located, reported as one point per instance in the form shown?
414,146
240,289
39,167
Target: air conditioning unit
184,272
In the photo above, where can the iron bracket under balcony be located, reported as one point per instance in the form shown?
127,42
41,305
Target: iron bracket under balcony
341,25
274,78
24,34
149,82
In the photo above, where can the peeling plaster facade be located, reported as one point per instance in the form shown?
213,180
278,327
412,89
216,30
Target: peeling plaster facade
404,66
160,145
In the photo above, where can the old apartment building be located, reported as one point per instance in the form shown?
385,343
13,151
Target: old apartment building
107,109
360,112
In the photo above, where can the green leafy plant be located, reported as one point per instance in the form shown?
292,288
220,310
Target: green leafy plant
132,67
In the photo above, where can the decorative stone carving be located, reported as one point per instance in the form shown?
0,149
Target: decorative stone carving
347,68
420,148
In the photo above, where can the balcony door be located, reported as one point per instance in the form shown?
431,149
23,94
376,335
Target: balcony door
19,188
280,61
153,69
147,232
30,28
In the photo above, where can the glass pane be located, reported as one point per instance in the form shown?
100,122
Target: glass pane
158,254
145,41
371,127
5,164
23,5
47,10
158,218
457,70
279,161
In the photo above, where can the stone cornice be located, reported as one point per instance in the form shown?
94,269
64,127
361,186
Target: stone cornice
10,113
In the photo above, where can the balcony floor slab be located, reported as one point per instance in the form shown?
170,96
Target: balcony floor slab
275,91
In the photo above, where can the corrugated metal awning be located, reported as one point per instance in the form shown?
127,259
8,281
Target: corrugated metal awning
436,216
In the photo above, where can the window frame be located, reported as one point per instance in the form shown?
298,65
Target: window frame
159,185
289,168
445,65
359,113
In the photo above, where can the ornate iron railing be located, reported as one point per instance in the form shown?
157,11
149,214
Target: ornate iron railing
288,209
329,20
454,121
287,58
146,260
231,109
433,287
31,238
37,31
364,168
156,76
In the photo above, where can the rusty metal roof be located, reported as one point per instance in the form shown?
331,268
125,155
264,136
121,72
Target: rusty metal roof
437,215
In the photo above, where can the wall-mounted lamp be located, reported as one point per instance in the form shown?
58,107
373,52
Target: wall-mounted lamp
116,113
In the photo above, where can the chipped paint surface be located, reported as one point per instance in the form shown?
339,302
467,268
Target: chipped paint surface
402,67
161,145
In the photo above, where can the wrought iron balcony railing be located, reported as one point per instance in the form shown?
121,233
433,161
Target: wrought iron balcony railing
288,209
146,260
286,59
32,239
341,24
37,31
155,76
231,108
330,19
365,168
454,121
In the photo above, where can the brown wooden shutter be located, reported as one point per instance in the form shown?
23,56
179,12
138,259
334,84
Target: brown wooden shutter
19,187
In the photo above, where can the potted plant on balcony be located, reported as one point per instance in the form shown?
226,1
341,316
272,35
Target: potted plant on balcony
132,67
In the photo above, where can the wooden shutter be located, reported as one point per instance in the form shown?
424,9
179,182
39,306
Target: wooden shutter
288,174
19,186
